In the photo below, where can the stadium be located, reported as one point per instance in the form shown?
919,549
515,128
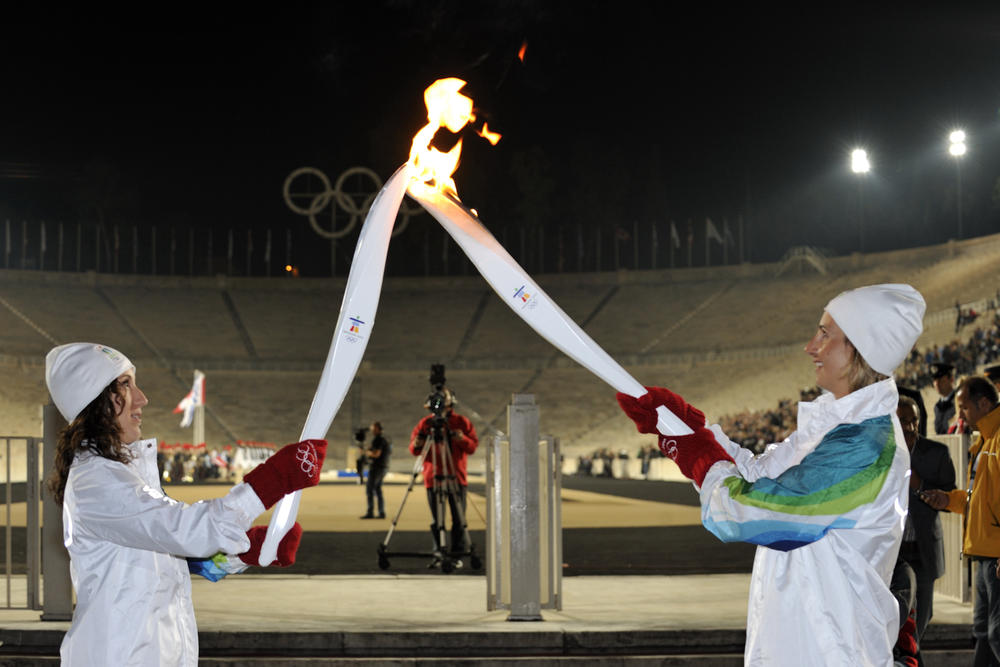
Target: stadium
729,337
683,199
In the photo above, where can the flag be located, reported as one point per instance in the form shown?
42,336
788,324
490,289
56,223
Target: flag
711,232
674,236
194,398
727,234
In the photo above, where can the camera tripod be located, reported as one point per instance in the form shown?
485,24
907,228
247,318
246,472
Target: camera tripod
445,491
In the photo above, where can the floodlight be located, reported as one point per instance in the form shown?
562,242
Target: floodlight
859,161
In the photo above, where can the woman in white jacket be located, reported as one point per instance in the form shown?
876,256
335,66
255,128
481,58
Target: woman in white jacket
827,505
129,544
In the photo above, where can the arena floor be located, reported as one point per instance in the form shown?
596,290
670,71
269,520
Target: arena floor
610,526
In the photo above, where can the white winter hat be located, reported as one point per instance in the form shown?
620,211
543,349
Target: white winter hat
77,373
882,322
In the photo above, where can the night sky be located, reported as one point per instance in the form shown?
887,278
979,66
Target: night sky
620,113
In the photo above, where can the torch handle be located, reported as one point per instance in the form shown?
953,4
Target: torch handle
670,424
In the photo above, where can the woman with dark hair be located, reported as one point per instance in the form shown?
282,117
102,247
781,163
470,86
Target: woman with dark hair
131,547
826,506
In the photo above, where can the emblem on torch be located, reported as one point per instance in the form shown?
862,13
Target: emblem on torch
354,330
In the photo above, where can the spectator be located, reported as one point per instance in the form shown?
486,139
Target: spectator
378,454
923,543
944,383
977,405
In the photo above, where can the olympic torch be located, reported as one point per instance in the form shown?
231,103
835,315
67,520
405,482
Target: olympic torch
448,108
350,338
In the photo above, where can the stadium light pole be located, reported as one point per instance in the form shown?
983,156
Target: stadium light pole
860,166
957,149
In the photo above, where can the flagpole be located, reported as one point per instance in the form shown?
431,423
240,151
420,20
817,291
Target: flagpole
199,425
706,243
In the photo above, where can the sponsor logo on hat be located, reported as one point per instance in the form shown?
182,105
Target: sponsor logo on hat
111,354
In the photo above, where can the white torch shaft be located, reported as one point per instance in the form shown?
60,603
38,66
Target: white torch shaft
516,288
350,338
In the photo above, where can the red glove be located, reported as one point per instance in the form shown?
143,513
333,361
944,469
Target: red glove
286,548
694,454
642,410
291,468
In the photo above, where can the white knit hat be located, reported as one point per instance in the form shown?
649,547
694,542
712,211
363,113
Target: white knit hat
77,373
882,322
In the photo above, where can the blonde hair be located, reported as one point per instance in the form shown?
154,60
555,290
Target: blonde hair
859,374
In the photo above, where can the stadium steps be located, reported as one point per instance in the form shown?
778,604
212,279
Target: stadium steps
505,646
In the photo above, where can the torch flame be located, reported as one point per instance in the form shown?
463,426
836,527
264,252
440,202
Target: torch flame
446,107
489,136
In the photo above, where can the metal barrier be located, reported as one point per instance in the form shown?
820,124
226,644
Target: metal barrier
955,582
22,502
523,517
58,602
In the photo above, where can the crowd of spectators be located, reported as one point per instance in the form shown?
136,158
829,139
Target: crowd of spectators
184,463
585,463
756,429
192,464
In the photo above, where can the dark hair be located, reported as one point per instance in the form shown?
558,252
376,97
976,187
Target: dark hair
910,403
976,387
96,429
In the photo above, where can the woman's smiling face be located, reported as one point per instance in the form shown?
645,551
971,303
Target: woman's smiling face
831,353
129,403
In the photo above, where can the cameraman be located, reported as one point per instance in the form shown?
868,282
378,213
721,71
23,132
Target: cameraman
444,428
378,453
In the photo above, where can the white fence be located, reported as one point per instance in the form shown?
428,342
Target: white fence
20,470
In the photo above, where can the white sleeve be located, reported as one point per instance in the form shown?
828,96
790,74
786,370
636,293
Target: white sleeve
111,502
774,460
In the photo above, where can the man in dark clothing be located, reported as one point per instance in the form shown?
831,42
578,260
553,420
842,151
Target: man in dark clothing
378,454
923,543
944,383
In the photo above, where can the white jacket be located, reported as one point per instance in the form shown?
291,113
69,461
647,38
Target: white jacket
826,508
127,544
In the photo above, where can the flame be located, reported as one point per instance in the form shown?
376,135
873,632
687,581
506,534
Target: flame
446,107
522,50
489,136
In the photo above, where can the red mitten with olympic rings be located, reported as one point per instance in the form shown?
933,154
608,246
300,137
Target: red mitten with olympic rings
291,468
694,454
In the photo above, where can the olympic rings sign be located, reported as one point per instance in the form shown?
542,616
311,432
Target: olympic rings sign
346,196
